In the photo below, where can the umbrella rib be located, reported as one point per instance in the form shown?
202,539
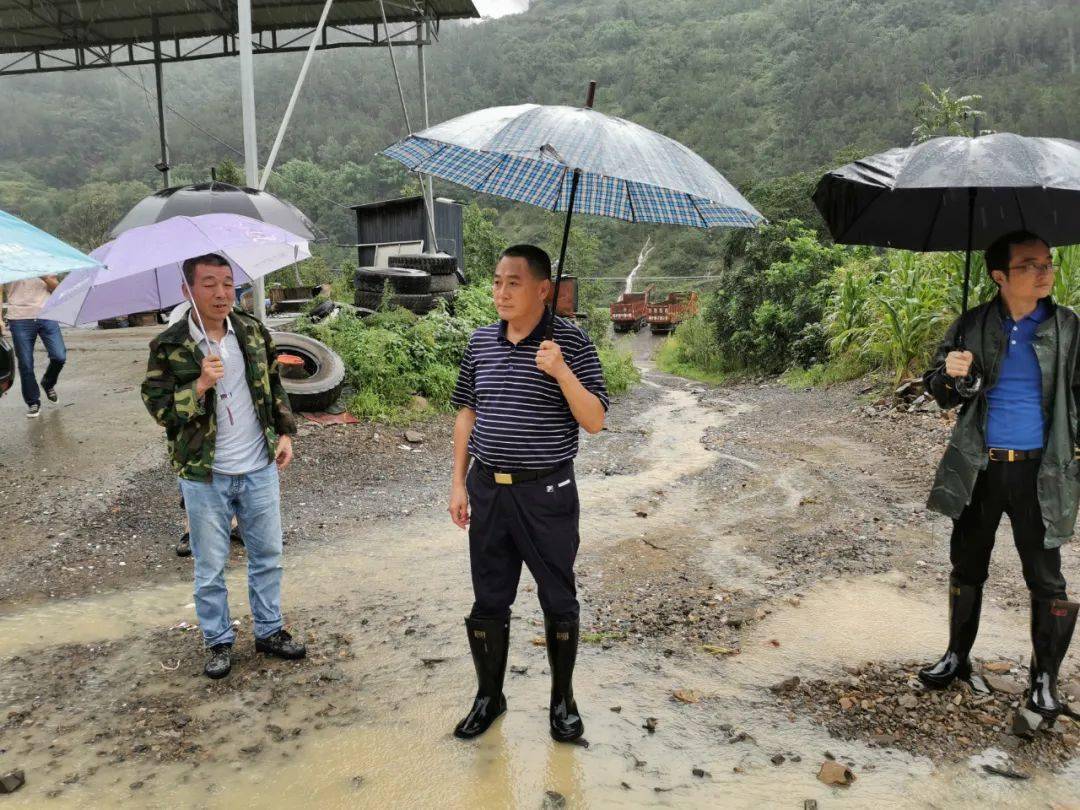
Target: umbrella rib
562,182
630,201
933,222
704,222
1019,209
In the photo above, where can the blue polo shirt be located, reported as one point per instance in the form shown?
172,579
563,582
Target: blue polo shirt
1016,415
523,421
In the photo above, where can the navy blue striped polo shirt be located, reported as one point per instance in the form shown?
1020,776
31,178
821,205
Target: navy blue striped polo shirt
522,418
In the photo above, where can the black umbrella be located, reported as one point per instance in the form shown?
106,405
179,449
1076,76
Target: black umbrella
956,193
217,198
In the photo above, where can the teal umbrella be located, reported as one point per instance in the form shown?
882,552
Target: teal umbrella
28,252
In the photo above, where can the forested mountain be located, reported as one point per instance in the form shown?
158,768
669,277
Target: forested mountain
760,88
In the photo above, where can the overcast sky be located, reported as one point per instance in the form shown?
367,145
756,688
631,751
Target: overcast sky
497,8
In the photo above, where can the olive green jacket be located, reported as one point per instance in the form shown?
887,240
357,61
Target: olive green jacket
1057,344
168,391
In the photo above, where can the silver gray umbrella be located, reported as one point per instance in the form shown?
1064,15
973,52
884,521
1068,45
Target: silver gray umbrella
217,198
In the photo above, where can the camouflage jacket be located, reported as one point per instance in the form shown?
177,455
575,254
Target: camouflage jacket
168,392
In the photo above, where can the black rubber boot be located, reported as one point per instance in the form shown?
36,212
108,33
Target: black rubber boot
220,662
965,607
562,644
489,642
1052,624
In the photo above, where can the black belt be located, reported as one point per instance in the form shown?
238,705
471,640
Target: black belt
999,454
518,476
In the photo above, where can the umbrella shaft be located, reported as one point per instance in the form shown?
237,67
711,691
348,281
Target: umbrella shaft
562,255
967,269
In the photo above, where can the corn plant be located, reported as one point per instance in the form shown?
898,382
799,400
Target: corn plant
1067,282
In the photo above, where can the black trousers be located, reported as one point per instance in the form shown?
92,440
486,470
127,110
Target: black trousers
535,522
1009,488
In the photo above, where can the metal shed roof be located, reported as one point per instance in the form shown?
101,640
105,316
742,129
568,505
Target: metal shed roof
29,25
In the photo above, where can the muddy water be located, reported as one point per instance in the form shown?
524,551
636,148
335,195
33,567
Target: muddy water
399,753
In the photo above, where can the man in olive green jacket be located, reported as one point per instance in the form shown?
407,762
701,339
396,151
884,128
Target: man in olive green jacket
1014,376
229,428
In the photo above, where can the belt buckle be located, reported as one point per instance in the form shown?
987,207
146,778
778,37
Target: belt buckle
992,456
503,478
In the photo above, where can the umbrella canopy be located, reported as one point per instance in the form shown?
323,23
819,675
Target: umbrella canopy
29,252
142,267
216,198
529,152
923,197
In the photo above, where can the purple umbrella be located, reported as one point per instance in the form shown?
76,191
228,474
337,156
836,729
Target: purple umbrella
142,266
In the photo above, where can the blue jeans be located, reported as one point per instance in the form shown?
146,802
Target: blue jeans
24,333
255,500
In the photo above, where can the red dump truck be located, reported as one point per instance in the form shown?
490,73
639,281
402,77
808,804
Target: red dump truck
628,313
663,316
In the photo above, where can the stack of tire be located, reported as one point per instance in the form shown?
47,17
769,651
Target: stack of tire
417,283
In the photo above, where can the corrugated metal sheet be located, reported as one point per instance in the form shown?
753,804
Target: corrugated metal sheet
403,220
58,24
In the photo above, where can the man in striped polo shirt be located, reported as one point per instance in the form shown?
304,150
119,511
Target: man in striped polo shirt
521,401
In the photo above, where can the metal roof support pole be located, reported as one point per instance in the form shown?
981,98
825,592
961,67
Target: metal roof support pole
433,245
163,166
425,181
315,37
247,107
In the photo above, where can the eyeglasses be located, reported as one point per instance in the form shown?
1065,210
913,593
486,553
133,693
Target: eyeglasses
1035,267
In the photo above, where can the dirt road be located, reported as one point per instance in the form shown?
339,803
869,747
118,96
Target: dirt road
732,539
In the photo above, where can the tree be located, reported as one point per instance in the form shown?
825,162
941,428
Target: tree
229,172
93,210
941,113
482,243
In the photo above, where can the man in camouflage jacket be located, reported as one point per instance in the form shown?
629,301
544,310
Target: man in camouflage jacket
229,429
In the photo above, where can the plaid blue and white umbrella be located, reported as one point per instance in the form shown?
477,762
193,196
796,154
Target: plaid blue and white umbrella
529,152
577,160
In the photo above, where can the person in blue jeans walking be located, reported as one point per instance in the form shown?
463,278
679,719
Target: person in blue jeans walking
212,382
25,299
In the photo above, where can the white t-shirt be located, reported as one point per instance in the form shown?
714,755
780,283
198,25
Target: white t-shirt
241,444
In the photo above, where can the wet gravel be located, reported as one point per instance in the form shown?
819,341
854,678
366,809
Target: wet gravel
146,700
884,704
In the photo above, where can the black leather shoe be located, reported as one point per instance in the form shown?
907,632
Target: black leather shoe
965,608
1052,625
281,644
220,662
489,642
562,644
183,548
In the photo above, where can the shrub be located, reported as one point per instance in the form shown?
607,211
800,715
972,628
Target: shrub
764,304
394,354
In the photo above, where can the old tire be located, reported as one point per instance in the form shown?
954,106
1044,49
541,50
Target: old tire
405,280
437,264
323,310
416,303
324,367
444,284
